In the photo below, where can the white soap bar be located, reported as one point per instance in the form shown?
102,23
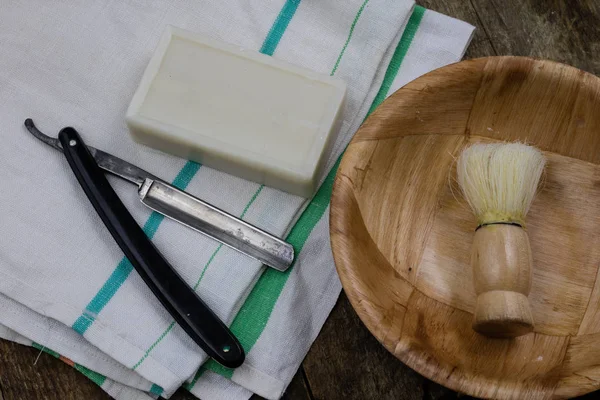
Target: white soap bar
238,111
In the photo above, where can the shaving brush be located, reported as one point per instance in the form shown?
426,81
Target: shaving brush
499,182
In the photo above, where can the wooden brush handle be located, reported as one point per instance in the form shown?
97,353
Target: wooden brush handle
502,266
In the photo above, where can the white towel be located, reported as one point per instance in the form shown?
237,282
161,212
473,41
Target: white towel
78,63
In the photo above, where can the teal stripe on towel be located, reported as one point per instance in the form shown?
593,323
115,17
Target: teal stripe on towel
155,389
279,27
124,268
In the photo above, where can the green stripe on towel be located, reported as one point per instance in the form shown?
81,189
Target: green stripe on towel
254,315
356,17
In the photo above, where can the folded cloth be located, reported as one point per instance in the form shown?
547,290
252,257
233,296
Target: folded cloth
76,63
114,389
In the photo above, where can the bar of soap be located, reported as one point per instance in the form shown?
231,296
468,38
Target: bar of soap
237,111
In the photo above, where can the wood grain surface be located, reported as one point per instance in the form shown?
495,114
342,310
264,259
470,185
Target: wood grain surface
345,355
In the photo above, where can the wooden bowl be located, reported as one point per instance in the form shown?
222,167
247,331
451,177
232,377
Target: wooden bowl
401,232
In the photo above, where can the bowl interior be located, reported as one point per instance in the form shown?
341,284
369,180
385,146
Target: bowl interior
401,232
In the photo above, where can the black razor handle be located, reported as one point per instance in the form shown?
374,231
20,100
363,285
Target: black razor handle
184,305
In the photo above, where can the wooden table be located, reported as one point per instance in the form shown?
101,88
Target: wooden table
345,362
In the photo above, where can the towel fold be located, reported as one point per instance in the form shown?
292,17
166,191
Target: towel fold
65,285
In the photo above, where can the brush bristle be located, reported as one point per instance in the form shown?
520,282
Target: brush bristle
499,180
